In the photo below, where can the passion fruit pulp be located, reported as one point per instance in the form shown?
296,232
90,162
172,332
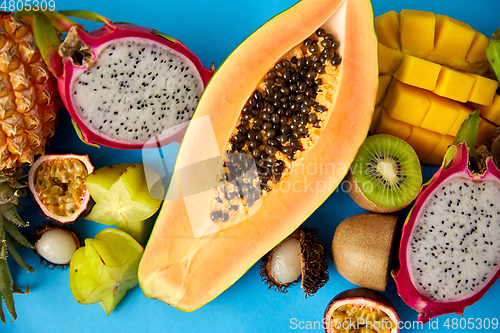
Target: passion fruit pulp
58,187
361,310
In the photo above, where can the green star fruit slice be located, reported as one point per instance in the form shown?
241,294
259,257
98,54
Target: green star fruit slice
122,198
105,269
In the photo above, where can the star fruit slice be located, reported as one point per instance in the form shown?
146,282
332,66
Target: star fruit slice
105,268
122,199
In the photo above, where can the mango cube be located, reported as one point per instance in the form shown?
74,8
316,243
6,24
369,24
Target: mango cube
441,114
463,113
423,141
453,37
388,59
383,84
483,90
454,84
387,26
388,125
418,72
477,50
375,118
417,30
485,131
436,156
492,111
406,103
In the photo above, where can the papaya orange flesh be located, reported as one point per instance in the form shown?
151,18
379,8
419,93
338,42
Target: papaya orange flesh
190,259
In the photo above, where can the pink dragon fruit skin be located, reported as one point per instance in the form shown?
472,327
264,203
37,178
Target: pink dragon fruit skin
406,277
97,40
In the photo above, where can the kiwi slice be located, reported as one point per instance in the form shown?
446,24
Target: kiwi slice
385,175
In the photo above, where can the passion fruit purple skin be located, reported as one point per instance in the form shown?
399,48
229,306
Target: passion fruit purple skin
365,297
85,198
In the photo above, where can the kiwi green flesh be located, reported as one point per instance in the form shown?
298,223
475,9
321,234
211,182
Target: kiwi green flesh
387,171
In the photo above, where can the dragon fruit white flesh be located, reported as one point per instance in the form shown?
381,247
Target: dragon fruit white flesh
450,246
125,86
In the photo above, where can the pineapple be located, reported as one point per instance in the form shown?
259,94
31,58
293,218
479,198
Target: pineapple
28,95
10,191
28,114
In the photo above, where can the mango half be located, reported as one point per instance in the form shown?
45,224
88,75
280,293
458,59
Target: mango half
433,72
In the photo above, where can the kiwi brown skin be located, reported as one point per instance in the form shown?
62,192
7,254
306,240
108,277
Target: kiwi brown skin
362,249
359,197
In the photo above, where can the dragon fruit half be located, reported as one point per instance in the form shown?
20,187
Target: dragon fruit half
125,86
450,245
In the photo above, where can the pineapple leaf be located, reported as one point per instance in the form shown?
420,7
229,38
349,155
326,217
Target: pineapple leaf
6,193
17,257
60,22
11,228
17,290
6,291
48,43
86,15
3,247
9,211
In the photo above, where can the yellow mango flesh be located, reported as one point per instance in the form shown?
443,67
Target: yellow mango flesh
436,156
407,103
490,112
463,113
454,85
387,26
485,131
452,37
417,29
423,141
441,114
383,84
439,79
483,90
476,52
389,59
418,72
388,125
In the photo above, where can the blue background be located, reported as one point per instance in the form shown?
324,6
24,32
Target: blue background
211,29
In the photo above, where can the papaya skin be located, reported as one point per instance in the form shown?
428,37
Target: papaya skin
188,272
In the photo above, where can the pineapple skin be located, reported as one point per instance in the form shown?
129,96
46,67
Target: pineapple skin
29,99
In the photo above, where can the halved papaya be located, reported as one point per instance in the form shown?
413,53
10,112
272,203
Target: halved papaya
216,229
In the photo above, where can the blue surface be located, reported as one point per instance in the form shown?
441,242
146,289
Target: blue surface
212,29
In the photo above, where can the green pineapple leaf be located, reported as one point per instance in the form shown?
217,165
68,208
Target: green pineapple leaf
9,211
17,257
6,291
12,229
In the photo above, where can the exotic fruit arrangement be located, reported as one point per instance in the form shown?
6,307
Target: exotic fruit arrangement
321,95
449,247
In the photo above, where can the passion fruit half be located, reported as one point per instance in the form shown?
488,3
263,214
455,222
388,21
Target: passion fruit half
57,183
360,310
